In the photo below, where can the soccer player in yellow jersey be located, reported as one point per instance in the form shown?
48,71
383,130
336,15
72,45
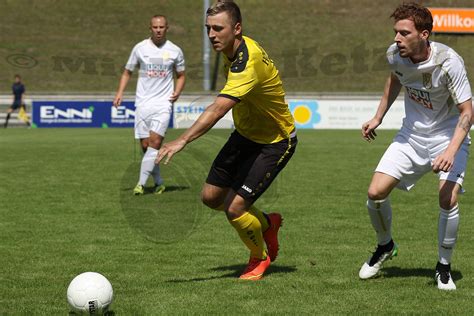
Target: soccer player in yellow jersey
261,145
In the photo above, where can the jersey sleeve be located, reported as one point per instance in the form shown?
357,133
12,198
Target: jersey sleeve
456,79
180,63
132,60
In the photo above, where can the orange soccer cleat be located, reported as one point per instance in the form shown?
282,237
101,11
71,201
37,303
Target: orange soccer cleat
271,235
255,269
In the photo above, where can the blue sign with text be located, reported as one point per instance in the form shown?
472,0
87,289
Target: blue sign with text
82,114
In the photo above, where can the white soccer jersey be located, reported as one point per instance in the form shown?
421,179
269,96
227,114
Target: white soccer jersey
433,89
155,79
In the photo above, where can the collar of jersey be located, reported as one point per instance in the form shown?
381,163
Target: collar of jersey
239,49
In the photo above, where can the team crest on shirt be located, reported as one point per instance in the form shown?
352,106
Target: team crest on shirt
427,83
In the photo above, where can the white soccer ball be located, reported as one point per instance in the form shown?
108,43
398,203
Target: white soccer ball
90,293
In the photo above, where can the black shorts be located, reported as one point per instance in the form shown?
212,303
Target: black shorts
15,105
248,167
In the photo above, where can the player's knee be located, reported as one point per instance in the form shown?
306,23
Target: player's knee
375,194
234,213
155,143
447,201
448,197
210,200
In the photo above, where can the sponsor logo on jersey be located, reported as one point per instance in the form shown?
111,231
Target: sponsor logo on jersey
156,69
427,83
421,97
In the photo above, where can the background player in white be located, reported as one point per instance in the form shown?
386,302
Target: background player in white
159,59
434,135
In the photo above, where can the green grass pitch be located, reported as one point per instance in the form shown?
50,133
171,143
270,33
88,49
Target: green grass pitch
66,207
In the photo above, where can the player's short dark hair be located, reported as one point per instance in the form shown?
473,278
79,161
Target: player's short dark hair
226,6
419,14
17,76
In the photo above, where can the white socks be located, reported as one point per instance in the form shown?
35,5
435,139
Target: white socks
148,167
448,224
380,213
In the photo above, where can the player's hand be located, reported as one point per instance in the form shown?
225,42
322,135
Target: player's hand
174,97
117,100
169,149
368,129
443,162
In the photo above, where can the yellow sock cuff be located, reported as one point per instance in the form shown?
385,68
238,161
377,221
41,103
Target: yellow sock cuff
260,216
243,221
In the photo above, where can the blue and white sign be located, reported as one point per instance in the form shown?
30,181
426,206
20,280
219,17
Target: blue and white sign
123,115
63,114
326,113
82,114
186,113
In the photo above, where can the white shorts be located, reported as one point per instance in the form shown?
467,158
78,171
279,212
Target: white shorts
151,119
410,156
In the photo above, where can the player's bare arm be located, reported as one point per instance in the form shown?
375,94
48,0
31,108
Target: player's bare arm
444,162
205,122
179,86
122,85
391,91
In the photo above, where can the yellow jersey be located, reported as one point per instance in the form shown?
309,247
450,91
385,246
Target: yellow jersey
261,113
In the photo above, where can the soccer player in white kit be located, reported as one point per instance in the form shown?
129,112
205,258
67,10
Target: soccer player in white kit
159,59
434,135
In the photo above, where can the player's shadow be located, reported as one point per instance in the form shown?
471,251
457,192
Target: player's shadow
149,190
172,188
396,272
235,271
